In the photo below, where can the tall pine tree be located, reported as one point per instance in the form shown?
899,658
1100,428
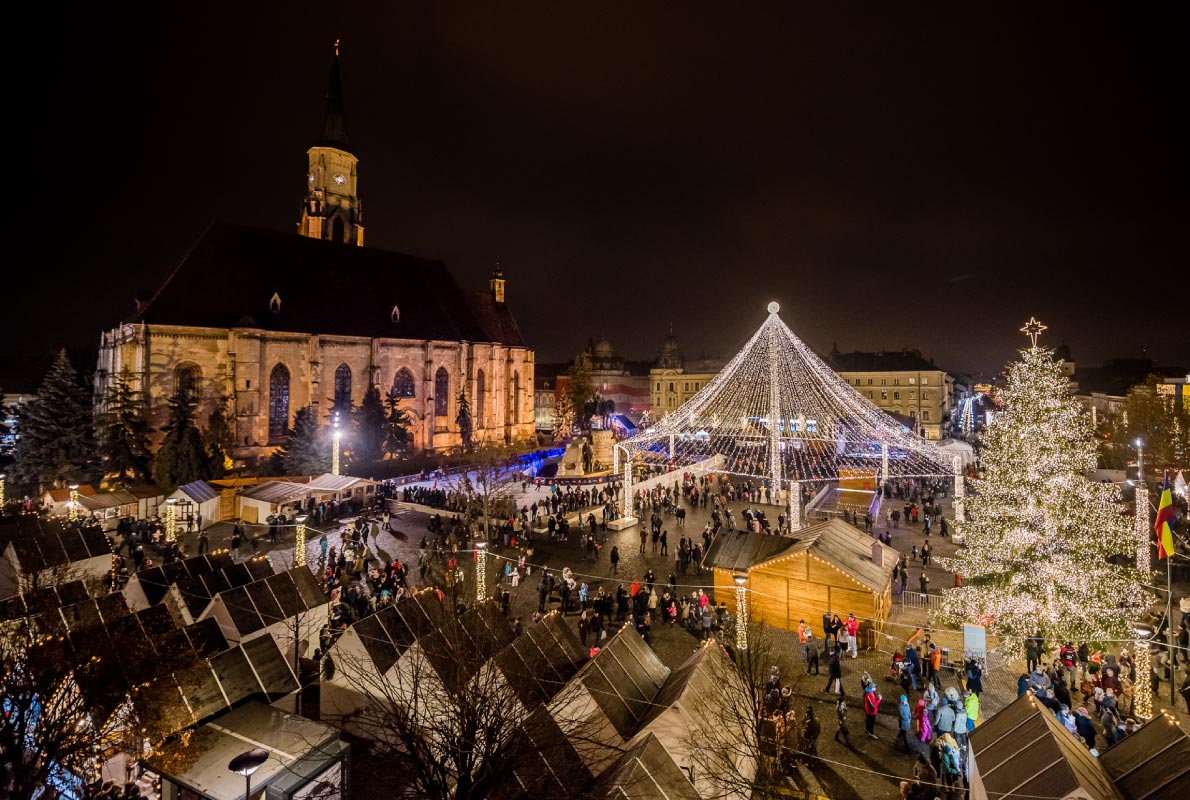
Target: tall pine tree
1038,533
182,458
370,423
396,428
308,451
123,432
463,420
218,439
56,444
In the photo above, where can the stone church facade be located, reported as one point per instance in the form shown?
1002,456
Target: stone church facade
268,323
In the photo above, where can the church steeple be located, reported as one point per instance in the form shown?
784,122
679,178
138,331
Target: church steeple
334,126
332,208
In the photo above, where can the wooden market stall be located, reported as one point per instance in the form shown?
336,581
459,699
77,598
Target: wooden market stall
827,568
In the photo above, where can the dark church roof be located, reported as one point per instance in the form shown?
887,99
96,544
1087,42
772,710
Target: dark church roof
230,276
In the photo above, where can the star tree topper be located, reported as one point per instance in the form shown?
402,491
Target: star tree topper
1033,329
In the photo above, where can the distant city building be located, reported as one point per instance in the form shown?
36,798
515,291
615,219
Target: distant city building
903,383
1102,390
268,323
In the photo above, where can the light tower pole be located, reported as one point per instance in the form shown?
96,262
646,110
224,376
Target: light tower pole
335,436
171,529
1143,558
959,491
72,507
299,541
741,611
774,406
481,570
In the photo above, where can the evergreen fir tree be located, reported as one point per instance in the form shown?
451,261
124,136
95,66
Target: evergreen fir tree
182,458
57,445
463,420
123,432
578,387
1038,533
370,424
307,452
396,428
218,439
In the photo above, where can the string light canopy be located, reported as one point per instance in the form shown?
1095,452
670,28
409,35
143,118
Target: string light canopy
778,414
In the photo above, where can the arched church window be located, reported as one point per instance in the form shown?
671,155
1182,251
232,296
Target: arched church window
403,383
278,403
188,381
479,389
515,405
441,392
342,387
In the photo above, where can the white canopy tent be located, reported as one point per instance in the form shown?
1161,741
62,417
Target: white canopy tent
779,415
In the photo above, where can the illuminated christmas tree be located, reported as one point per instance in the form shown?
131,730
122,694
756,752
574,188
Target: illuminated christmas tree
1038,533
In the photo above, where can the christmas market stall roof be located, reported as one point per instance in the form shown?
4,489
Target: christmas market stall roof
337,483
300,751
189,584
1153,763
47,551
778,414
833,541
281,285
275,492
646,771
1024,752
254,606
541,660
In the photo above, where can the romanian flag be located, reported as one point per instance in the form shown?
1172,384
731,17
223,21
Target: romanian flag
1164,523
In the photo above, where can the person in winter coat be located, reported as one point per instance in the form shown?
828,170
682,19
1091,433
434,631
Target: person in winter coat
811,732
905,720
871,709
971,705
834,671
812,652
974,675
1084,727
841,716
852,626
945,721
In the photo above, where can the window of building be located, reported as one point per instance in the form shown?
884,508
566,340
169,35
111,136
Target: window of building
925,414
515,404
912,413
896,381
884,381
924,381
441,392
671,386
687,386
479,389
188,380
278,403
913,380
857,381
925,395
869,395
896,395
659,387
403,383
342,387
869,381
884,395
913,395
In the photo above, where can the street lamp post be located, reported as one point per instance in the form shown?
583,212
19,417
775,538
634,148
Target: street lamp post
72,507
1,491
246,763
171,519
741,611
481,570
299,541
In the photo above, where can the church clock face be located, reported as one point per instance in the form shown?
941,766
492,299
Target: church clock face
339,179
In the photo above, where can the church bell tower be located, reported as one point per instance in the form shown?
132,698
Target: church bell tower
332,209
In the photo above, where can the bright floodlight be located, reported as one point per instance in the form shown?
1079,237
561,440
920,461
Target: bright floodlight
774,307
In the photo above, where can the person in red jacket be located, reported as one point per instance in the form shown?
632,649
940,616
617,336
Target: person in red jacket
852,634
872,700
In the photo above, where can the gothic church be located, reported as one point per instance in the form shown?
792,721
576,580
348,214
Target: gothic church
270,322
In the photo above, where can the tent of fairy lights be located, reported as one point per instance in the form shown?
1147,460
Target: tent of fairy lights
778,415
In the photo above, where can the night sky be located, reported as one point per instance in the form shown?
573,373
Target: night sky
912,175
